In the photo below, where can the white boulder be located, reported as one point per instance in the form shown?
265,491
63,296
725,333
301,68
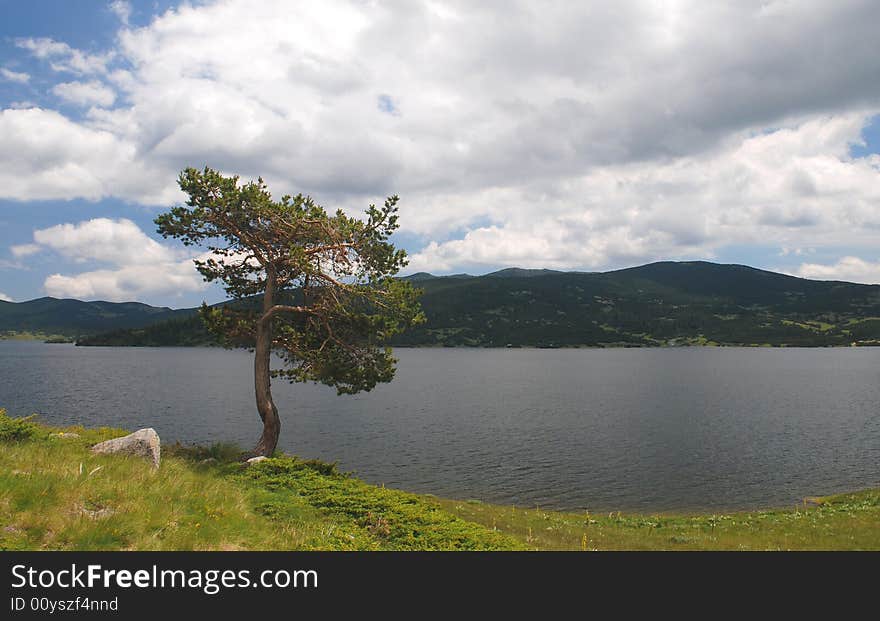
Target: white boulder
142,443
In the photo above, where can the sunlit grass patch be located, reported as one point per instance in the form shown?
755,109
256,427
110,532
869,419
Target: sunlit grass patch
841,522
55,494
392,519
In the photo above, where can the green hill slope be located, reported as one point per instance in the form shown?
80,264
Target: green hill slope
667,303
658,304
73,317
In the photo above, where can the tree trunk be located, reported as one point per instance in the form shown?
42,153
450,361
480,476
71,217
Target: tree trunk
262,381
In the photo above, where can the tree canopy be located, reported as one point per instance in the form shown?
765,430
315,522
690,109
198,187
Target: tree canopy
317,289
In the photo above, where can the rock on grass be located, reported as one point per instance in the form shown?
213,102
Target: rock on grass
142,443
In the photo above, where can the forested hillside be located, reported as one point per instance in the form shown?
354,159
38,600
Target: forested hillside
660,304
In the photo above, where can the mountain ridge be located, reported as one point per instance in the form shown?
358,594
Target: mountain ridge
661,303
71,317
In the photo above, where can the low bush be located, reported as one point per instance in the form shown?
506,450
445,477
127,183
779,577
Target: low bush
17,429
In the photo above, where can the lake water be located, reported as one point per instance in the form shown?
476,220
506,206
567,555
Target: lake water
618,429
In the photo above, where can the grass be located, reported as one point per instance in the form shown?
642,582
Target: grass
56,495
809,324
840,522
13,335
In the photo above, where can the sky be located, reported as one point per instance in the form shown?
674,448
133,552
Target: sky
567,135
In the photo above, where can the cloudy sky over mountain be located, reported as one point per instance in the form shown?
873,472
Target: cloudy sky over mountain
570,135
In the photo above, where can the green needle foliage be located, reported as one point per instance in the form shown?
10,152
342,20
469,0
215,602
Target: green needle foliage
317,289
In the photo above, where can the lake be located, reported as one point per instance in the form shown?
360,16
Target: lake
676,429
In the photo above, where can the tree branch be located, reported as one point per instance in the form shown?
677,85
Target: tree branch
284,308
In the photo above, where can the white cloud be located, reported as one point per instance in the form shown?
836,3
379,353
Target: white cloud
126,283
85,93
114,241
122,10
849,269
580,136
791,187
138,265
44,155
64,58
5,297
24,250
14,76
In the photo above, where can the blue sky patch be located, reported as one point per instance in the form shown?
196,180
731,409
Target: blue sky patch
386,104
871,136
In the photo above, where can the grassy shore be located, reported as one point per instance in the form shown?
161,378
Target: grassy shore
35,336
56,495
840,522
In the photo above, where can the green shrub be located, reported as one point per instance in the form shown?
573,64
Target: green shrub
223,452
328,469
16,429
